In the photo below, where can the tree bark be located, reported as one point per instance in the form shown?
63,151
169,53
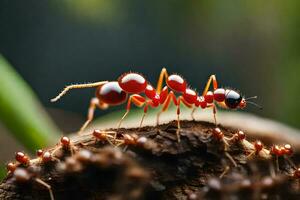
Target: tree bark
199,167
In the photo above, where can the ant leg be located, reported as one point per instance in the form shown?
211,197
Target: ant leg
93,104
251,154
137,100
290,162
193,113
163,74
213,79
40,181
180,99
171,96
227,168
230,158
145,112
213,106
77,86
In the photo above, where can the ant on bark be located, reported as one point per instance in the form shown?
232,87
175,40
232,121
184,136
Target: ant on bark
129,86
22,175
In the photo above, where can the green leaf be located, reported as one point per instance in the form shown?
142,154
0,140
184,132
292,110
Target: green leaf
21,111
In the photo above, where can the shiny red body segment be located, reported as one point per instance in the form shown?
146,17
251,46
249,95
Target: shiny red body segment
190,96
201,102
219,95
39,153
46,157
163,95
209,97
132,83
150,92
258,146
288,150
65,141
22,158
111,93
11,167
176,83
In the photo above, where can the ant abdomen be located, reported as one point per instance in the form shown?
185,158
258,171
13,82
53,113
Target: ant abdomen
111,93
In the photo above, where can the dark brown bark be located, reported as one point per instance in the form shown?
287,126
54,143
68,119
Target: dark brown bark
161,168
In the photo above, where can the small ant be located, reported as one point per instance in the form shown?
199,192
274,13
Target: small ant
11,167
65,143
258,146
111,93
45,156
104,136
127,139
219,135
284,151
21,175
22,158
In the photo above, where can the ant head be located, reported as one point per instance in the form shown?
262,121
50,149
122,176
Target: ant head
234,100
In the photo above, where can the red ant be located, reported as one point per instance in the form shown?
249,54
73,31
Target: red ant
219,135
110,93
258,147
22,158
127,139
285,151
21,175
45,156
65,143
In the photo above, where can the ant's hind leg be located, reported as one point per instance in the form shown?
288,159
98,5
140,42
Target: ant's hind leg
93,104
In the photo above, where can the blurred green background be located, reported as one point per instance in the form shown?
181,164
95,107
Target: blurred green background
253,46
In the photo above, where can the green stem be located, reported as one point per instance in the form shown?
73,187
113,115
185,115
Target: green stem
21,111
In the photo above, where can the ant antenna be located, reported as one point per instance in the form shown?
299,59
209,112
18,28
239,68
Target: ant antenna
255,104
254,97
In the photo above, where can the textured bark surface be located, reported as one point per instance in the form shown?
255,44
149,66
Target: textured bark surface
160,168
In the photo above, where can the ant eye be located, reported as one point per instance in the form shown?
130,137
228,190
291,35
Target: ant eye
232,98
